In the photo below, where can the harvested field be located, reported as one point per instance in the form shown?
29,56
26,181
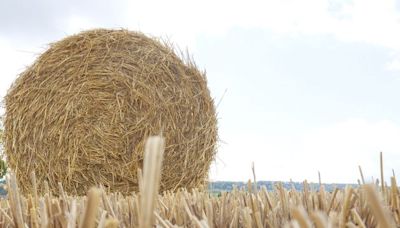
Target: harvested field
364,206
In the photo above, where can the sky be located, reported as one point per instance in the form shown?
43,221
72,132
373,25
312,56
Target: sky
300,86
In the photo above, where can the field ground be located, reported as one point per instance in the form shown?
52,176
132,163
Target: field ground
363,205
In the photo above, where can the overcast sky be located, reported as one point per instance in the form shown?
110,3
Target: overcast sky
311,85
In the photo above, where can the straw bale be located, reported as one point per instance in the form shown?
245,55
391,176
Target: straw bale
81,113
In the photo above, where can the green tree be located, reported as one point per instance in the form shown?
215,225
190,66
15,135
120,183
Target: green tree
3,164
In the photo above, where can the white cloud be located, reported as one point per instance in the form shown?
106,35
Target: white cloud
14,60
75,24
340,147
394,65
370,21
335,150
376,22
187,19
275,157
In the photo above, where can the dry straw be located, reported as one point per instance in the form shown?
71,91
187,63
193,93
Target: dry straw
79,115
364,206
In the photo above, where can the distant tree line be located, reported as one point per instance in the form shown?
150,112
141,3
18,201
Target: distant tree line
227,186
3,164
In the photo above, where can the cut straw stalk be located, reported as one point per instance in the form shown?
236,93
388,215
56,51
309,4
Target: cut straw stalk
15,201
92,205
382,176
153,157
361,175
300,215
320,219
346,207
354,207
375,202
357,218
72,215
196,208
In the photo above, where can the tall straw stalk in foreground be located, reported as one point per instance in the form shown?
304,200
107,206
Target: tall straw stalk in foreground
368,205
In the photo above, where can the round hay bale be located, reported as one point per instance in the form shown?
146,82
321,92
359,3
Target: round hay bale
81,113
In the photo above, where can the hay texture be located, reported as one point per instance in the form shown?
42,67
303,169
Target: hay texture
81,113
